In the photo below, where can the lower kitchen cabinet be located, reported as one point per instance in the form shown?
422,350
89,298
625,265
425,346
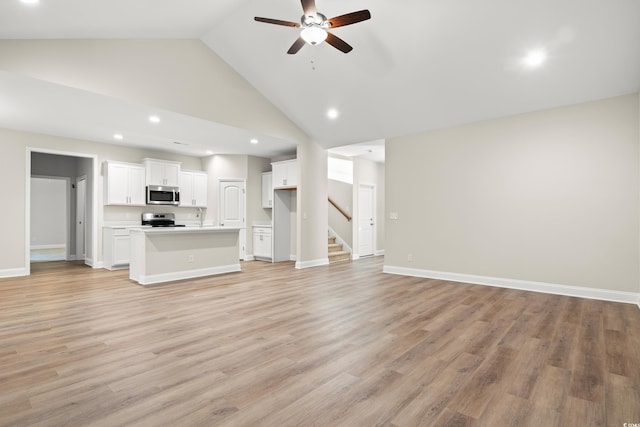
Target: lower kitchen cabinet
115,247
262,243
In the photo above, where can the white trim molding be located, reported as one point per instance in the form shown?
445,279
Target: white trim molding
153,279
13,272
523,285
379,252
57,246
314,263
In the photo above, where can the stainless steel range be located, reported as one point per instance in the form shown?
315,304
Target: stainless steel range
159,219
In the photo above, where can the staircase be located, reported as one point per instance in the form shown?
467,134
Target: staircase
336,254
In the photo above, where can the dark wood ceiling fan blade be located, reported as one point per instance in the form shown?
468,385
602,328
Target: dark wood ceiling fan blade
309,7
277,22
296,46
349,18
338,43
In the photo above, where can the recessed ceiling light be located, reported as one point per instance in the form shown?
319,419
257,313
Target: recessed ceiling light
254,141
118,136
209,152
332,113
30,1
154,119
535,58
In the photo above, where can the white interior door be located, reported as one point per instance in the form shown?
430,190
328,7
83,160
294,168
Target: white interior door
365,220
81,213
231,199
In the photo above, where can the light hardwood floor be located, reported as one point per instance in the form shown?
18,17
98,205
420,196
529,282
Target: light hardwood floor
342,345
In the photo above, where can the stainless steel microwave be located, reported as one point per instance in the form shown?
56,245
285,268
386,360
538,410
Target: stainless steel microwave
163,195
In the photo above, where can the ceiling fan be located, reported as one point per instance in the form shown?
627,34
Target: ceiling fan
315,27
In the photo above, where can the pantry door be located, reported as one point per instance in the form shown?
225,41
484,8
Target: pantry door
366,209
231,200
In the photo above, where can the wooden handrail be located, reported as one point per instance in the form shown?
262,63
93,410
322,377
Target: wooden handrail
345,214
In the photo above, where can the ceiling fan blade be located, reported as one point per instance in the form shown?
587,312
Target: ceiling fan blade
349,18
296,46
277,22
309,7
338,43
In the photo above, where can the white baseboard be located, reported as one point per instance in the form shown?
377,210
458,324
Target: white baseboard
38,247
547,288
314,263
13,272
153,279
249,258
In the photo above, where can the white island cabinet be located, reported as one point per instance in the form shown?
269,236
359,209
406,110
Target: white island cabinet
166,254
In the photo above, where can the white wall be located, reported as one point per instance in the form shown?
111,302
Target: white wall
550,197
48,212
311,205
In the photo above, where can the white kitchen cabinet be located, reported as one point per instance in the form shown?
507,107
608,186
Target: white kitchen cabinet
193,189
115,247
267,190
162,172
124,184
262,243
285,174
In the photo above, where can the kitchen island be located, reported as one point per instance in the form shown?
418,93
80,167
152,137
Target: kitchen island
163,254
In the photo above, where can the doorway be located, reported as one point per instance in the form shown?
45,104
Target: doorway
232,202
77,170
366,220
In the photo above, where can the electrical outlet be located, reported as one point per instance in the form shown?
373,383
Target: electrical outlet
190,259
409,257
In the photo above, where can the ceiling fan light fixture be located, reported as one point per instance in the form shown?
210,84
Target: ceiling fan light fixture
313,35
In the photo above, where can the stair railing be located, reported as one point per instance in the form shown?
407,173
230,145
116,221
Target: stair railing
342,211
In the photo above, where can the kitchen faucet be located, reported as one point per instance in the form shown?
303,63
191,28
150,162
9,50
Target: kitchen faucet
201,215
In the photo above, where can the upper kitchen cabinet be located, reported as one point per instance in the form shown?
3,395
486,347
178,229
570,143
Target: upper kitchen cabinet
124,184
162,172
285,174
193,189
267,190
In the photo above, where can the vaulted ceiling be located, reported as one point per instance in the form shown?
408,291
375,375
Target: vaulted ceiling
416,65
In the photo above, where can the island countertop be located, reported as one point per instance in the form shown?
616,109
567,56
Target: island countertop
187,229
